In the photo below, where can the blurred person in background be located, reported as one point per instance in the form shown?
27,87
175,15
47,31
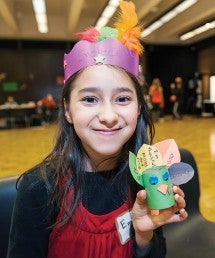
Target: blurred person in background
157,99
176,97
46,107
10,102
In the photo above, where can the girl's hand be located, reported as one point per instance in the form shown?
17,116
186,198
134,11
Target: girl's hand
144,223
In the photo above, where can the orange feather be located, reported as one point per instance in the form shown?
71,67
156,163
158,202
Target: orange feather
128,28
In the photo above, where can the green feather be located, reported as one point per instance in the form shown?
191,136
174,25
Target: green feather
107,32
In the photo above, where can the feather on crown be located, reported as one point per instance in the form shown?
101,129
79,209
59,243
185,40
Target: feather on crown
127,30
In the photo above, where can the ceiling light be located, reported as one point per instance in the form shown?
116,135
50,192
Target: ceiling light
187,35
167,17
109,11
156,25
197,31
114,2
101,21
107,14
39,7
41,18
42,28
184,5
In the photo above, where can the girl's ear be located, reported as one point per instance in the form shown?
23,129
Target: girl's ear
67,113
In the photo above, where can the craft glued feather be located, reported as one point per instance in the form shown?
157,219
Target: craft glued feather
126,30
157,168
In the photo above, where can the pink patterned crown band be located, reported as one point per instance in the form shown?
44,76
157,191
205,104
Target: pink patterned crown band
109,51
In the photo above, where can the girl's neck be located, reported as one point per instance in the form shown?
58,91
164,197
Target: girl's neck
103,165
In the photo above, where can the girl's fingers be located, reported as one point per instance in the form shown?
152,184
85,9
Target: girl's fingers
141,197
140,207
180,201
180,216
178,190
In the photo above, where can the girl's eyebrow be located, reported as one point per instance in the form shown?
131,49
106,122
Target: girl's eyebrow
89,89
124,89
97,89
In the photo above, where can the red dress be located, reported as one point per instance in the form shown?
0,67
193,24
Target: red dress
90,236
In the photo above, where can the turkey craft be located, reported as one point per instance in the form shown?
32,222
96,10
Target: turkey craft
157,168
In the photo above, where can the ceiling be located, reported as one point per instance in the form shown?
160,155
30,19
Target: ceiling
17,20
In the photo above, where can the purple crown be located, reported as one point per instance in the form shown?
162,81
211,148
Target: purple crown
109,51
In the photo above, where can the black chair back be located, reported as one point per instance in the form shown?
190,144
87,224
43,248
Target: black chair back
195,237
7,198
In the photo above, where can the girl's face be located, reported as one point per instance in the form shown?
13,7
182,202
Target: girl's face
103,109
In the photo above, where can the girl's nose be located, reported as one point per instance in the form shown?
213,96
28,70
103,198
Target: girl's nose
108,114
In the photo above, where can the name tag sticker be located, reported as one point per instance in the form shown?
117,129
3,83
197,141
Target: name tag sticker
123,225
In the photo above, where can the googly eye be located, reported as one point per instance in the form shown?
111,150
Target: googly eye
165,176
153,180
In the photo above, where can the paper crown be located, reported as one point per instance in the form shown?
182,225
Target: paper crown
117,46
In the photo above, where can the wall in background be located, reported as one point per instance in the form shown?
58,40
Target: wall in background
206,65
37,67
168,62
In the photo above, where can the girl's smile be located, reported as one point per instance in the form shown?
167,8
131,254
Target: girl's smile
107,131
103,109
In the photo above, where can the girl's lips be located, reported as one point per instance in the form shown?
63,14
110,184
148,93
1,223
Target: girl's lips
107,131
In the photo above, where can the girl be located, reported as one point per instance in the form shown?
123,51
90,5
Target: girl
81,201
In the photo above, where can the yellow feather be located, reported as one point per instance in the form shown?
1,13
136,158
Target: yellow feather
128,28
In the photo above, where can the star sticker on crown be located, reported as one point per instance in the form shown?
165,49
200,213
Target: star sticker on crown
99,59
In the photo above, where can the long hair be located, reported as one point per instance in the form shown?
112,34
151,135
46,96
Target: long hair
66,158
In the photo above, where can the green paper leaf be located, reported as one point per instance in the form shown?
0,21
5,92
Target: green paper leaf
133,168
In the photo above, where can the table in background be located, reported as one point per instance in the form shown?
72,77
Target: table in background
19,115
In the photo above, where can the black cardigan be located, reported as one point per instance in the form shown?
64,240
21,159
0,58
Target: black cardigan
29,235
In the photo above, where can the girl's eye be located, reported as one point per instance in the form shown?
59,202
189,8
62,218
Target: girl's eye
123,99
89,100
153,180
165,176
